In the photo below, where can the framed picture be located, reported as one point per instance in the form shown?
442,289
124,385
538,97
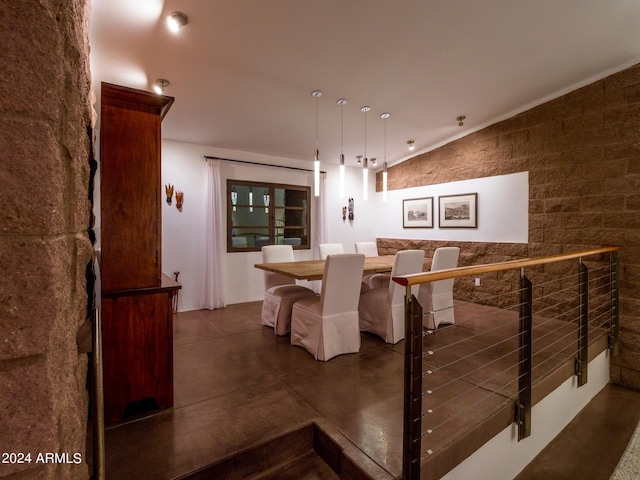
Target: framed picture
417,212
458,211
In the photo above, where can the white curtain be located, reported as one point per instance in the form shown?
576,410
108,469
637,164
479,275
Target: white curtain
212,284
320,224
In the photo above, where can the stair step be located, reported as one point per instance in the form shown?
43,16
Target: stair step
315,451
305,467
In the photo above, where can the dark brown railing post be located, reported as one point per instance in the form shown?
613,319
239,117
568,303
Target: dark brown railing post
412,433
582,359
614,270
523,409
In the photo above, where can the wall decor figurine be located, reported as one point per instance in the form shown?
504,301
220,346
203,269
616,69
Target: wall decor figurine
344,213
351,209
168,189
179,199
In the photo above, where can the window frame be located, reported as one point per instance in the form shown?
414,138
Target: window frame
272,213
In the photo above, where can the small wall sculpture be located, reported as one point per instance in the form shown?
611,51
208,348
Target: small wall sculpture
168,189
179,199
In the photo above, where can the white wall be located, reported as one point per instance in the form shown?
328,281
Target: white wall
184,166
503,205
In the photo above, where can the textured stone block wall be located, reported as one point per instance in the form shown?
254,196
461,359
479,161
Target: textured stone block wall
45,128
582,152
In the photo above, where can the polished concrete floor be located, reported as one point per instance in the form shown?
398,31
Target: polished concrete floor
238,385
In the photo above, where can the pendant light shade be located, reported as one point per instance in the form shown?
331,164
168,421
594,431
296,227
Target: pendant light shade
342,102
384,182
365,178
316,159
365,160
384,116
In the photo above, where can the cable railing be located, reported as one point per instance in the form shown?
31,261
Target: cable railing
505,351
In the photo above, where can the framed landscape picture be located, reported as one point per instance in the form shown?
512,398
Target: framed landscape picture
417,212
458,211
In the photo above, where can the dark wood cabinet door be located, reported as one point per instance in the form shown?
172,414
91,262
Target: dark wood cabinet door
130,201
137,333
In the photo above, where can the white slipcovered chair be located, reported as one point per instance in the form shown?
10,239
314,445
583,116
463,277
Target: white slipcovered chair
328,325
370,249
436,298
381,309
327,249
280,291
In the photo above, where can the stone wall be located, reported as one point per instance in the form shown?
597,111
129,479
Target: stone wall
45,154
582,152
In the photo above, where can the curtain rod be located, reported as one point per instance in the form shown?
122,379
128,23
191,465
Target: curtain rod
261,164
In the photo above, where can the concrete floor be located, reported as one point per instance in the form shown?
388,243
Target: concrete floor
238,385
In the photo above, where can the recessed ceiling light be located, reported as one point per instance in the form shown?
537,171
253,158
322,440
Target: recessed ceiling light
176,21
160,86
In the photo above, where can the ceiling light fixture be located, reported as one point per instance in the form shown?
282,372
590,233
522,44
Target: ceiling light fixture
176,21
411,145
342,102
460,120
365,160
316,158
384,116
160,86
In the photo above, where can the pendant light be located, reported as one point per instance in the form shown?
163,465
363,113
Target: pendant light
342,102
316,159
384,116
365,160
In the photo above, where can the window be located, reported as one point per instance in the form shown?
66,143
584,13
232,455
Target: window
267,214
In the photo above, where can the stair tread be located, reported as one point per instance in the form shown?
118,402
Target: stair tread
305,467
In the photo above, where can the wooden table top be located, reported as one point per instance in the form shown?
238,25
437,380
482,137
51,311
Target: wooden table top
314,269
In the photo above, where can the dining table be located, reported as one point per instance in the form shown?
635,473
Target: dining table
314,269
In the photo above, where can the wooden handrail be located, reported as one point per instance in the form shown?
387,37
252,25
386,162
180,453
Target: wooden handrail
426,277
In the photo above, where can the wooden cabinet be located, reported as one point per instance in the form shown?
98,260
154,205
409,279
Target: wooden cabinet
136,297
130,188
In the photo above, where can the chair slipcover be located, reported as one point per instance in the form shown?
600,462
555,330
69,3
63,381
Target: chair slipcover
370,249
436,298
280,291
381,309
328,325
327,249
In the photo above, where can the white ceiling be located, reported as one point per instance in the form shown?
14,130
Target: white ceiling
242,71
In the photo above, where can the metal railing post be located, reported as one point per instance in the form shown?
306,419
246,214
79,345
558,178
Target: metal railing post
412,434
614,334
523,409
582,358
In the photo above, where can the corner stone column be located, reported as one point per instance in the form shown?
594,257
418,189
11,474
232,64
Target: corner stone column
46,131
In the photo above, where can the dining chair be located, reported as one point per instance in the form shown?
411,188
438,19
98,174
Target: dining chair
370,249
436,298
327,325
327,249
280,291
381,309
